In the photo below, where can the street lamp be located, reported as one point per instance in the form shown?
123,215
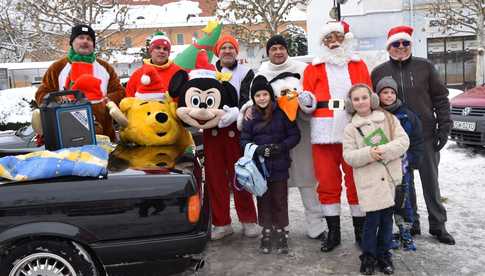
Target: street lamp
335,11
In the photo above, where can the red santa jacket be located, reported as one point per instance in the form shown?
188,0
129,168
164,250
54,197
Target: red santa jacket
165,72
327,125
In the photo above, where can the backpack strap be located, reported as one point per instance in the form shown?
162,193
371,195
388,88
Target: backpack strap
250,149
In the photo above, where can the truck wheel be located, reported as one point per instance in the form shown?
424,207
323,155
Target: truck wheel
47,257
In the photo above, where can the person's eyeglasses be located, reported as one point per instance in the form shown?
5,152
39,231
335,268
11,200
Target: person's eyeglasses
404,43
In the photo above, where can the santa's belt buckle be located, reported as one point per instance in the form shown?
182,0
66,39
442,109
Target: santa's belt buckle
336,104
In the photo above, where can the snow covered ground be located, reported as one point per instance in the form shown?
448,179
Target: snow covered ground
15,105
462,176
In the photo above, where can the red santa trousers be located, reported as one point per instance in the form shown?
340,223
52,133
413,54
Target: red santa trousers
221,150
327,160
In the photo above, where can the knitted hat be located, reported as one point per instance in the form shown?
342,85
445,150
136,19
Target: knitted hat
203,68
223,40
159,39
82,29
150,84
337,26
261,83
90,86
276,40
399,32
386,82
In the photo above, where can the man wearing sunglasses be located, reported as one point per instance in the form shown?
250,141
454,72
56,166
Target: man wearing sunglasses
420,87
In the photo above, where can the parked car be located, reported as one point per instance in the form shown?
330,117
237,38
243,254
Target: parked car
468,117
18,141
149,209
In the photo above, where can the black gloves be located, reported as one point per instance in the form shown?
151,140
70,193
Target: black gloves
268,150
440,140
399,198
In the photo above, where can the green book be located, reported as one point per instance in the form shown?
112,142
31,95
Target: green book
376,138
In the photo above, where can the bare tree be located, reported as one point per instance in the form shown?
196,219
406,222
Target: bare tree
255,21
463,16
38,27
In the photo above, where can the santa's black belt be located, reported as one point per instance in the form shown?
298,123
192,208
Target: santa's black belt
333,104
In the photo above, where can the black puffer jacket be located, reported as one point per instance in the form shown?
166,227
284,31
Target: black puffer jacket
420,88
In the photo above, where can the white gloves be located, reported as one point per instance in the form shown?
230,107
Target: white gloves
307,102
229,117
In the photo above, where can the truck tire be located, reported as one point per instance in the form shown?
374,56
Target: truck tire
44,257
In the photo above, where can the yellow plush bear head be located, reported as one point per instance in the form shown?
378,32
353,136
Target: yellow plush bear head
152,123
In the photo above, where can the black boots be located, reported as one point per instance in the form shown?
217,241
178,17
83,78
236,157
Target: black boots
443,236
266,241
367,265
281,241
358,228
330,241
385,265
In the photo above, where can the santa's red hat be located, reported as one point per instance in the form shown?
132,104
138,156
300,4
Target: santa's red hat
90,86
337,26
203,68
159,39
150,87
397,33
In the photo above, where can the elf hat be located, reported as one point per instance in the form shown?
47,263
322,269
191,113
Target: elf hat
337,26
203,68
159,39
397,33
151,87
90,86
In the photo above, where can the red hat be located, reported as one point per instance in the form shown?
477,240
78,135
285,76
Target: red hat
150,84
337,26
223,40
397,33
203,68
159,39
90,86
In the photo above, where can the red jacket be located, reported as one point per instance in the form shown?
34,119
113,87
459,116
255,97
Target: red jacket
165,71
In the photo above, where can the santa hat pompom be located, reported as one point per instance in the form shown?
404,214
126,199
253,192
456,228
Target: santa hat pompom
145,79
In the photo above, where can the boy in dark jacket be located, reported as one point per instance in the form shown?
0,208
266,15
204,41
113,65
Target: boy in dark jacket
386,88
275,135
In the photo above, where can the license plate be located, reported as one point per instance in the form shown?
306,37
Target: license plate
468,126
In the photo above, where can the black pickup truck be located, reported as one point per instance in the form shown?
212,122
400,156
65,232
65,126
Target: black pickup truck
149,209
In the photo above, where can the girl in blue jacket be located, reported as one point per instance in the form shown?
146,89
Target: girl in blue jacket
275,135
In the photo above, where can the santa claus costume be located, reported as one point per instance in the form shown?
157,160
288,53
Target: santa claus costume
329,78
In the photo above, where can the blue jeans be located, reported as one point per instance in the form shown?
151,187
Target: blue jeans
377,237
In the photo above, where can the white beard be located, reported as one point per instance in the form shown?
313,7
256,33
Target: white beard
338,56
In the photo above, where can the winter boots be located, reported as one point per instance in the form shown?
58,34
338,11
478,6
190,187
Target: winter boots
367,265
358,228
332,240
266,241
416,228
385,265
281,241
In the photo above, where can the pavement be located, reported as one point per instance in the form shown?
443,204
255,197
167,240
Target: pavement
238,255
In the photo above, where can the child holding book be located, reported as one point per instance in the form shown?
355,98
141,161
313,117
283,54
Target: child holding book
403,212
275,135
373,144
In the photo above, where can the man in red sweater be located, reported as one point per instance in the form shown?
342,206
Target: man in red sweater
159,51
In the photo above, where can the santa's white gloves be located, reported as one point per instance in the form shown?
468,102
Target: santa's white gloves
229,117
307,102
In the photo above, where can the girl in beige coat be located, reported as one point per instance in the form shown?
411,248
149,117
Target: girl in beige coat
373,144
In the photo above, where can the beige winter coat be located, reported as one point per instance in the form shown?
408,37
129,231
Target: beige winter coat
375,187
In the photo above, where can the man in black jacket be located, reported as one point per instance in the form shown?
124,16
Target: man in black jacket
422,90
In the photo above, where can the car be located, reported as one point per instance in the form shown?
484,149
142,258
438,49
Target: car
19,141
468,117
147,213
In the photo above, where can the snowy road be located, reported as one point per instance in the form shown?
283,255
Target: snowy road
462,176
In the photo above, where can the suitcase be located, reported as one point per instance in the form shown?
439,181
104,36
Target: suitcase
67,123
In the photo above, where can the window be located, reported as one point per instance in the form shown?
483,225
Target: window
180,39
128,43
454,58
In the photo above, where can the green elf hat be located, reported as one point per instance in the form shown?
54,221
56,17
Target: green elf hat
186,59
